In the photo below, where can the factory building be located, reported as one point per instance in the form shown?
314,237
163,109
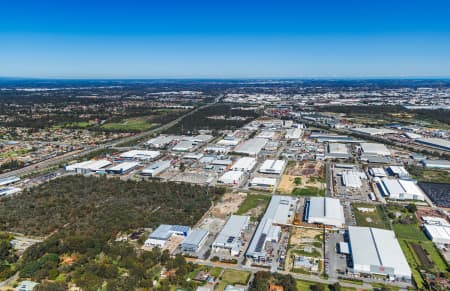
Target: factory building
373,131
162,234
328,211
262,182
268,232
160,142
353,178
377,172
232,177
195,240
400,189
245,164
9,191
183,146
140,155
230,237
437,143
229,141
267,134
251,147
436,164
374,149
293,133
9,180
156,168
377,252
398,171
122,168
272,167
88,166
439,234
337,151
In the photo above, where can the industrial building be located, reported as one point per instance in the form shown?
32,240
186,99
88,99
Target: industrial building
277,214
377,252
263,182
183,146
251,147
373,131
195,240
337,151
141,155
400,189
377,172
439,234
88,166
398,171
368,148
437,164
245,164
324,210
437,143
293,133
272,167
229,141
160,142
268,134
122,168
156,168
160,236
230,237
232,177
9,191
9,180
353,178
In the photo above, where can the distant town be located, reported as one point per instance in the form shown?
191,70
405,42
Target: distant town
228,185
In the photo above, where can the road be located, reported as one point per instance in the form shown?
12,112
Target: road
72,155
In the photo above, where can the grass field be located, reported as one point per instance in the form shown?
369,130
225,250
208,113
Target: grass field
128,125
308,191
306,285
80,124
409,231
216,271
253,201
429,175
376,218
231,277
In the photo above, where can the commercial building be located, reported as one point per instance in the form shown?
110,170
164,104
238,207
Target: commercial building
268,231
437,164
160,142
377,172
373,131
437,143
195,240
183,146
337,151
122,168
251,147
293,133
368,148
400,189
353,178
88,166
232,177
245,164
230,237
141,155
439,234
377,252
328,211
263,182
398,171
229,141
272,167
156,168
160,236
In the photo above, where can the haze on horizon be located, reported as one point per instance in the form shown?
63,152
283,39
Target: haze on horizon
214,39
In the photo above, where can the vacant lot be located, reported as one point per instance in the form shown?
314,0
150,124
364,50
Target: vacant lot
309,191
128,125
232,277
421,254
429,175
409,231
370,215
254,205
300,175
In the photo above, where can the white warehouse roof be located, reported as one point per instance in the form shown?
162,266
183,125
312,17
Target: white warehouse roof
377,251
231,177
438,233
375,149
293,133
401,189
252,146
263,182
245,164
91,165
328,211
272,166
140,155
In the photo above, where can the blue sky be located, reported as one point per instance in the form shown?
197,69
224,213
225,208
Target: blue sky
224,39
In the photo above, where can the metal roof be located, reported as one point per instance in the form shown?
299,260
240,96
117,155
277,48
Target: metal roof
195,237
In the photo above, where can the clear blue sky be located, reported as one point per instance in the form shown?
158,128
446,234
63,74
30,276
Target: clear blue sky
184,39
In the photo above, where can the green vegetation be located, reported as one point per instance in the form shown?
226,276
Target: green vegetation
308,191
232,277
429,175
313,253
297,181
253,201
377,218
128,125
263,280
409,232
85,214
7,256
75,125
216,271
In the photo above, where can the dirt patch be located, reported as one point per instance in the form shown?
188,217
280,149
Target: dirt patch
422,255
305,169
229,204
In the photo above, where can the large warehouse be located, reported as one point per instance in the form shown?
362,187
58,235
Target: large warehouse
251,147
272,167
195,240
141,155
278,213
400,189
293,133
368,148
162,234
88,166
230,237
263,182
122,168
156,168
377,252
438,143
232,177
328,211
337,151
353,178
245,164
